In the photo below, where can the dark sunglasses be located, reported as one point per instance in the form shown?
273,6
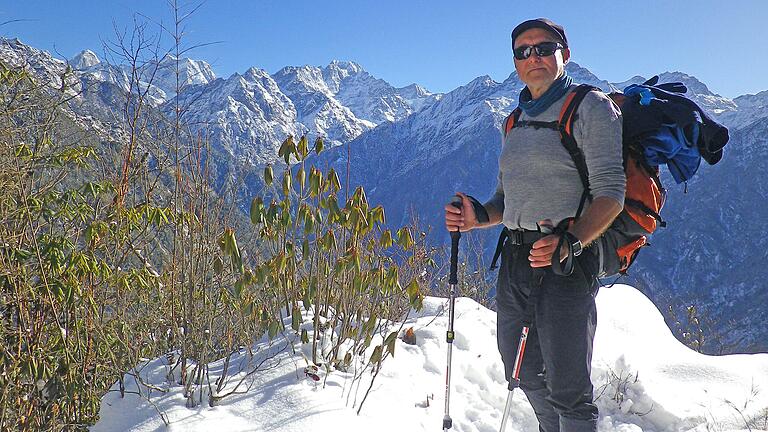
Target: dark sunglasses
543,49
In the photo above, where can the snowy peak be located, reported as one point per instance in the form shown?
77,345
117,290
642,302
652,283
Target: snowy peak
337,71
637,79
697,91
318,110
84,60
344,98
414,91
246,115
190,72
302,80
756,101
694,85
46,69
582,75
749,109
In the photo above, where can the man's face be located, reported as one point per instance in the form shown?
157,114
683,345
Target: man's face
538,73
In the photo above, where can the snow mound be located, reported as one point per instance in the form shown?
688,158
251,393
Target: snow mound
646,381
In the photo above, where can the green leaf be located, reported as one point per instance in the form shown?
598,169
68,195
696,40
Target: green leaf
365,345
301,177
331,239
377,215
218,265
370,325
315,181
303,147
318,145
295,318
376,356
290,149
356,261
333,180
390,338
287,182
404,238
359,198
390,343
274,329
231,248
386,239
247,308
333,206
237,290
360,219
414,294
309,223
357,283
268,175
257,210
287,148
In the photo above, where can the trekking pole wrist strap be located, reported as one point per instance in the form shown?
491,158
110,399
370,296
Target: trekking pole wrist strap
564,268
480,212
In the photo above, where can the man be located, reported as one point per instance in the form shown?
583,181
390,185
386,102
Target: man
539,185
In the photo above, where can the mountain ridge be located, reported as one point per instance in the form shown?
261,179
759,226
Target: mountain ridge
422,147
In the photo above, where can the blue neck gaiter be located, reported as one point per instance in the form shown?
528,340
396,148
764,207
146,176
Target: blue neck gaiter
534,107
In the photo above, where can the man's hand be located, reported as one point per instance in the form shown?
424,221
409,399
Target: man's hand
595,220
544,248
460,219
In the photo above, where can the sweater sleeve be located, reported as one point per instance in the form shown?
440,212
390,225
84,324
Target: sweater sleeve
597,130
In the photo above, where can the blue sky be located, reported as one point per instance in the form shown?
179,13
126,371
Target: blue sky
438,44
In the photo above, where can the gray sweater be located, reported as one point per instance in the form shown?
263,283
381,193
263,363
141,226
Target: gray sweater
539,180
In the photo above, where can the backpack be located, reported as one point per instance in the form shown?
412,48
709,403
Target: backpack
660,126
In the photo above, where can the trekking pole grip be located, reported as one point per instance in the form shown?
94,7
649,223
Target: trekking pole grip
455,236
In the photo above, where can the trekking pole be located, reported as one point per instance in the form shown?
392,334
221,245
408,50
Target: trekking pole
452,281
514,380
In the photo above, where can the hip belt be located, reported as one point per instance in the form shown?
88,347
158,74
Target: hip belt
514,237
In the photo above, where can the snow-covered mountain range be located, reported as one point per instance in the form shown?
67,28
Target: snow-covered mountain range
413,149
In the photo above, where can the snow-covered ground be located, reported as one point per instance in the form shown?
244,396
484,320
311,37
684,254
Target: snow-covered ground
646,381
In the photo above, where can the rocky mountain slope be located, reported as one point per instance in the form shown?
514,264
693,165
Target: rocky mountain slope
412,150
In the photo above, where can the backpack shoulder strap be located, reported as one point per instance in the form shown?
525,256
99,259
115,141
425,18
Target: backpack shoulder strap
571,105
510,121
567,118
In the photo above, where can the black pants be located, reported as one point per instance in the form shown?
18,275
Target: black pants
555,373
